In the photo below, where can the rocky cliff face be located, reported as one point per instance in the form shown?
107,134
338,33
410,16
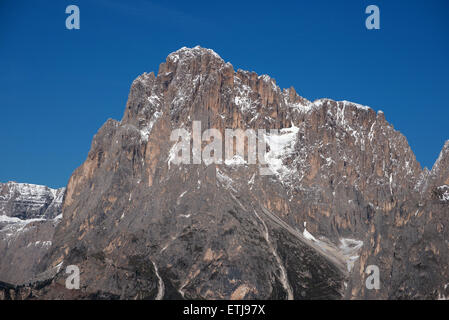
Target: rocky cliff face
28,201
28,216
345,192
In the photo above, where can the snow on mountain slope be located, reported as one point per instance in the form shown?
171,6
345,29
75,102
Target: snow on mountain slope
28,216
26,201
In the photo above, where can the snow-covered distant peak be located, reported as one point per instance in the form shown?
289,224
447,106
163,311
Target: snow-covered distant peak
28,189
26,200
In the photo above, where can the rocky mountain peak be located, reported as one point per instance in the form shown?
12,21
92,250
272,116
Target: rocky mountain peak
443,159
341,195
438,178
187,55
27,201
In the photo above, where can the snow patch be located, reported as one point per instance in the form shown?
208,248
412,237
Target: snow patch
243,98
8,220
349,249
445,192
309,236
236,160
145,131
281,147
225,181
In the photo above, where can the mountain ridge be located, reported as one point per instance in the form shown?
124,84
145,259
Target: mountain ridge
346,190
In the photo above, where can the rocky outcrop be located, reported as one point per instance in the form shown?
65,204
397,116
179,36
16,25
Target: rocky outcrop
28,217
345,191
28,201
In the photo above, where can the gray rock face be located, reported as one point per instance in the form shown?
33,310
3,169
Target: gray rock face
28,201
346,192
28,217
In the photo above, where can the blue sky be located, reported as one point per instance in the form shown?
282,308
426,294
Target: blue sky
58,86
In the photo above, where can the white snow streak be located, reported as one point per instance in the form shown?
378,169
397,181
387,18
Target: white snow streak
283,278
160,287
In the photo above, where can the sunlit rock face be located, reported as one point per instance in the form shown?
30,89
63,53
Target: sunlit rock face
345,192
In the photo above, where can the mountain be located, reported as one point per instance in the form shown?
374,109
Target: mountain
340,190
28,201
28,216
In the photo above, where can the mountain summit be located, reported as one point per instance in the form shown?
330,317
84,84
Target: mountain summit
345,192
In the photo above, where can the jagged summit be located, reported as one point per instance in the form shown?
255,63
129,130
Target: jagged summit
345,192
188,53
439,175
199,63
191,68
443,154
442,162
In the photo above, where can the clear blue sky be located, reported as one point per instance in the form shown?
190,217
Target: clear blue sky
58,86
